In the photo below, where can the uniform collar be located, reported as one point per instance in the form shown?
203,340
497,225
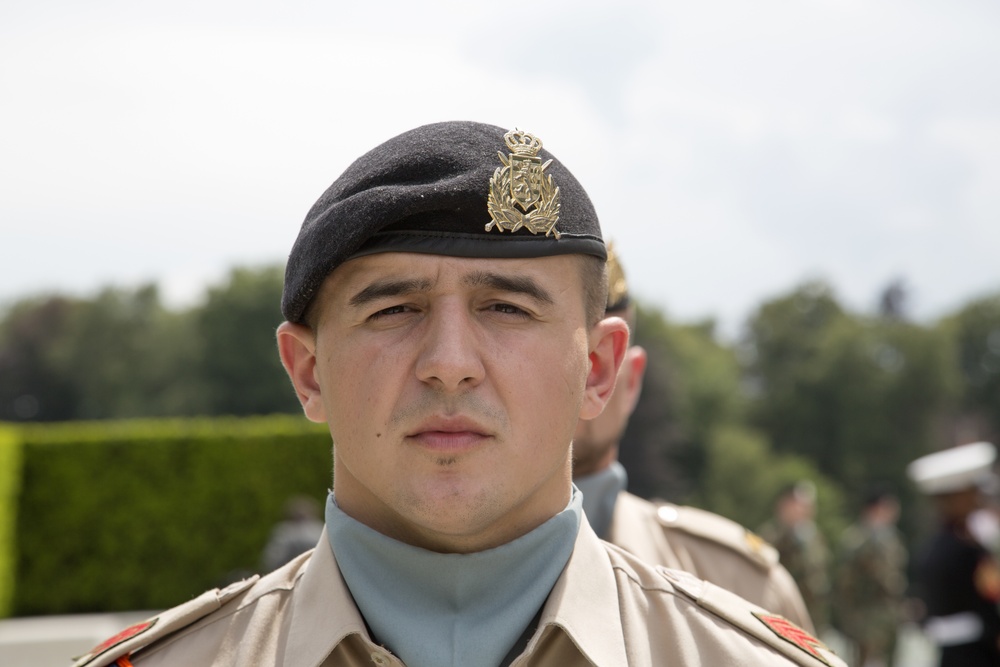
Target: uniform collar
323,612
583,604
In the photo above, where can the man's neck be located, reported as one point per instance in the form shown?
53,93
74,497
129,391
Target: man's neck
592,466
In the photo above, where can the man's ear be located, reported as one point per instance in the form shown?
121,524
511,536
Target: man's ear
632,374
297,348
608,342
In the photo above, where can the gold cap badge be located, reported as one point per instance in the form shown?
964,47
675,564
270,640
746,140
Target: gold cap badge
521,194
618,296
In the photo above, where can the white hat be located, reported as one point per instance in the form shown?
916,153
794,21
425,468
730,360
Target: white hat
955,469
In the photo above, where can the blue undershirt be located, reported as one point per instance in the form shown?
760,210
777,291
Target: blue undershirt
600,492
437,609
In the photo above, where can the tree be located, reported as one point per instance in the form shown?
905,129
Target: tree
32,386
860,397
126,356
975,330
744,476
241,373
691,386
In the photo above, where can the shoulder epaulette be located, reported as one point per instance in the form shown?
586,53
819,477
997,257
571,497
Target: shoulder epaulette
775,631
142,634
720,530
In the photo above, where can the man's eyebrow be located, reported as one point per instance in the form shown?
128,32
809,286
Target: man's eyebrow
381,289
507,283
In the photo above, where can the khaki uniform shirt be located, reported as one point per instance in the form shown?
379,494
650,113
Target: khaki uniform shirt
607,609
712,548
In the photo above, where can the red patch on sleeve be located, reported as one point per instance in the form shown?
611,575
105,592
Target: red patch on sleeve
122,636
793,634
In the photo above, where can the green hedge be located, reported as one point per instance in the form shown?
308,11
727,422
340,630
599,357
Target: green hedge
131,515
10,485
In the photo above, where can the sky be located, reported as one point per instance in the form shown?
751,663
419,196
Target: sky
733,150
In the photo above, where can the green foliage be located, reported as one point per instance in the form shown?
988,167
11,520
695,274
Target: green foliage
976,332
240,369
743,477
860,397
10,486
122,354
32,385
147,514
691,386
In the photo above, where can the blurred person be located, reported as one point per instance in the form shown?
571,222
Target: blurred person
295,534
958,577
705,544
870,580
444,316
801,547
984,522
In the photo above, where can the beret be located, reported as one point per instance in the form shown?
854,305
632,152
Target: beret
440,189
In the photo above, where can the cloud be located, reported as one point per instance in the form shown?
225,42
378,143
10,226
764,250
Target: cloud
732,149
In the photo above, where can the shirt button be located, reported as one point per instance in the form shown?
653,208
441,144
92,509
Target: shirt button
379,659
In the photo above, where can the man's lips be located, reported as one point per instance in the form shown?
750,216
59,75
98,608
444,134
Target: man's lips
449,434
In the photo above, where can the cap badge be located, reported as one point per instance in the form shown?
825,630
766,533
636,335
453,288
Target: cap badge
617,285
521,194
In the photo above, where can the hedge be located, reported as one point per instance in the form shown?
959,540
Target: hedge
10,485
142,515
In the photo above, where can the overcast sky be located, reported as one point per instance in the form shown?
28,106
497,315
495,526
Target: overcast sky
733,149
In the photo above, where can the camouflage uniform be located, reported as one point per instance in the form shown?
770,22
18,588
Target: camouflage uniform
868,589
803,552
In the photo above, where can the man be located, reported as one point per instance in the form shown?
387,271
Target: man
707,545
444,304
870,581
801,547
958,578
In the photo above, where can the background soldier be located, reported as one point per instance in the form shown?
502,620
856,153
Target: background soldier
705,544
451,340
959,578
801,547
870,580
295,534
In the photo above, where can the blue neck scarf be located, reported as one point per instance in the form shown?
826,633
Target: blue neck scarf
600,491
439,610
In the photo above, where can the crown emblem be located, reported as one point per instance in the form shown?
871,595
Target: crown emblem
521,193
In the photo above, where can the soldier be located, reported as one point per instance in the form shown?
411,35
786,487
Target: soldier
295,534
870,580
801,547
687,538
958,578
447,323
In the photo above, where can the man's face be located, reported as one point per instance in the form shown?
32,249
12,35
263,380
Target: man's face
452,387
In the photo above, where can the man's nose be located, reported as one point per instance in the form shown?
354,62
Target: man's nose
450,355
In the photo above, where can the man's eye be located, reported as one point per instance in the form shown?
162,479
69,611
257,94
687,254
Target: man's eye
391,310
508,309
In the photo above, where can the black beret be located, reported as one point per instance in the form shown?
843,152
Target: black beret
440,189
